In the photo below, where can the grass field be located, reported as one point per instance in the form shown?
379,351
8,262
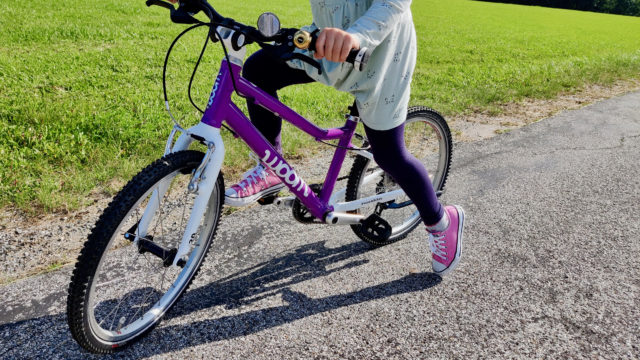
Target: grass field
80,82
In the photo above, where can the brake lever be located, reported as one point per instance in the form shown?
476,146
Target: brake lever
161,3
284,52
181,15
284,49
308,60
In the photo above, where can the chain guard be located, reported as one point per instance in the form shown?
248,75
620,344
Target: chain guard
301,213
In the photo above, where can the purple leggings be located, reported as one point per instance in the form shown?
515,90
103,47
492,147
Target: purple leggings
387,146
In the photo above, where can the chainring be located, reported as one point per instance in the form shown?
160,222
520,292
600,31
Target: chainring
301,213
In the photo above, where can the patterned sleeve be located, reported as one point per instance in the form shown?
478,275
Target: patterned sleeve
310,28
374,26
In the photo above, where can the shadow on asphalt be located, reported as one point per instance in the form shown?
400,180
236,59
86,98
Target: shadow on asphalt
245,287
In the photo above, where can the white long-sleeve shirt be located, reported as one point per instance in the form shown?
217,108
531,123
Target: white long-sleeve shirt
386,26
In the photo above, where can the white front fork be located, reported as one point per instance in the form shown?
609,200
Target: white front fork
212,163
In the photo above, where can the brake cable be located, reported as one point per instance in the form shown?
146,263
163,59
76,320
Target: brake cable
226,55
195,69
164,69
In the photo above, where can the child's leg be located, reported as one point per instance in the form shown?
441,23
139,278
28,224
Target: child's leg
390,153
270,75
445,224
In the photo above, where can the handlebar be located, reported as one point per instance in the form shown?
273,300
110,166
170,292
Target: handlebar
301,39
307,41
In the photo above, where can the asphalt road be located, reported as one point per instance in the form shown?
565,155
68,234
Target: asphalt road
550,268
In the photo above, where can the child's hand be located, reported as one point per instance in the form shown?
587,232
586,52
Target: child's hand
334,44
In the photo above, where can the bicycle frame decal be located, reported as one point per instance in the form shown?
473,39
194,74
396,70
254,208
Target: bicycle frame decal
213,92
289,175
158,230
222,108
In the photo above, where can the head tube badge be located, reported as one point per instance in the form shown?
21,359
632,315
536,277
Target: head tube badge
213,92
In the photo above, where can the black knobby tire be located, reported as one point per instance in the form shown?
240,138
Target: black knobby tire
107,271
427,137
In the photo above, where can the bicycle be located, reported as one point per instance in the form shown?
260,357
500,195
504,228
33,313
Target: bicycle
148,244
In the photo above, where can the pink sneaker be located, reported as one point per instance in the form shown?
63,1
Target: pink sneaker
446,245
255,184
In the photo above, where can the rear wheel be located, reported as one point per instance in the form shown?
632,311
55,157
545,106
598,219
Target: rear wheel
120,289
428,138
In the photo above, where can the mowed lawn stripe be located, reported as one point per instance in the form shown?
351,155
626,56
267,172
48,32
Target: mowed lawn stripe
81,99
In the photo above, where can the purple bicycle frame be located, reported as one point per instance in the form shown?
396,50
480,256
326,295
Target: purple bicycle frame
221,108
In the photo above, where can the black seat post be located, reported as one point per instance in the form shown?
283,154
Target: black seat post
353,109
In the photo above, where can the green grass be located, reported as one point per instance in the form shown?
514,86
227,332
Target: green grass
80,92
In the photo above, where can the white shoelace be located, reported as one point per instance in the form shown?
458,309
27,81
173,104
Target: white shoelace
254,175
437,245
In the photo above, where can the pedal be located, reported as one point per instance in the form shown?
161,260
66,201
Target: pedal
376,228
268,200
285,202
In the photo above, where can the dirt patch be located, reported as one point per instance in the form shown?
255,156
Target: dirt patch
31,245
34,244
482,125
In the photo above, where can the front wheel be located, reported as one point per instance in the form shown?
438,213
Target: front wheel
121,288
428,138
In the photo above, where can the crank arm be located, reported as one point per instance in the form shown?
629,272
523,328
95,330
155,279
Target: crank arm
356,204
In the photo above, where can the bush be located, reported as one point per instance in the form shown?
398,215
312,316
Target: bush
622,7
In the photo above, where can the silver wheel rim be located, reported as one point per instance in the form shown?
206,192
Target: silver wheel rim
109,328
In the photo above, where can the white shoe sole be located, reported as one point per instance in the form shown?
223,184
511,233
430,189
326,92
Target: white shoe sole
239,202
456,260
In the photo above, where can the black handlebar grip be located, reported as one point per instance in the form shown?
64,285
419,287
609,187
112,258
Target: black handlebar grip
359,58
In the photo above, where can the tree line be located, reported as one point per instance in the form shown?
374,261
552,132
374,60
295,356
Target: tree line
622,7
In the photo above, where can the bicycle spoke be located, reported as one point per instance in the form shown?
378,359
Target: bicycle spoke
147,295
129,282
117,305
